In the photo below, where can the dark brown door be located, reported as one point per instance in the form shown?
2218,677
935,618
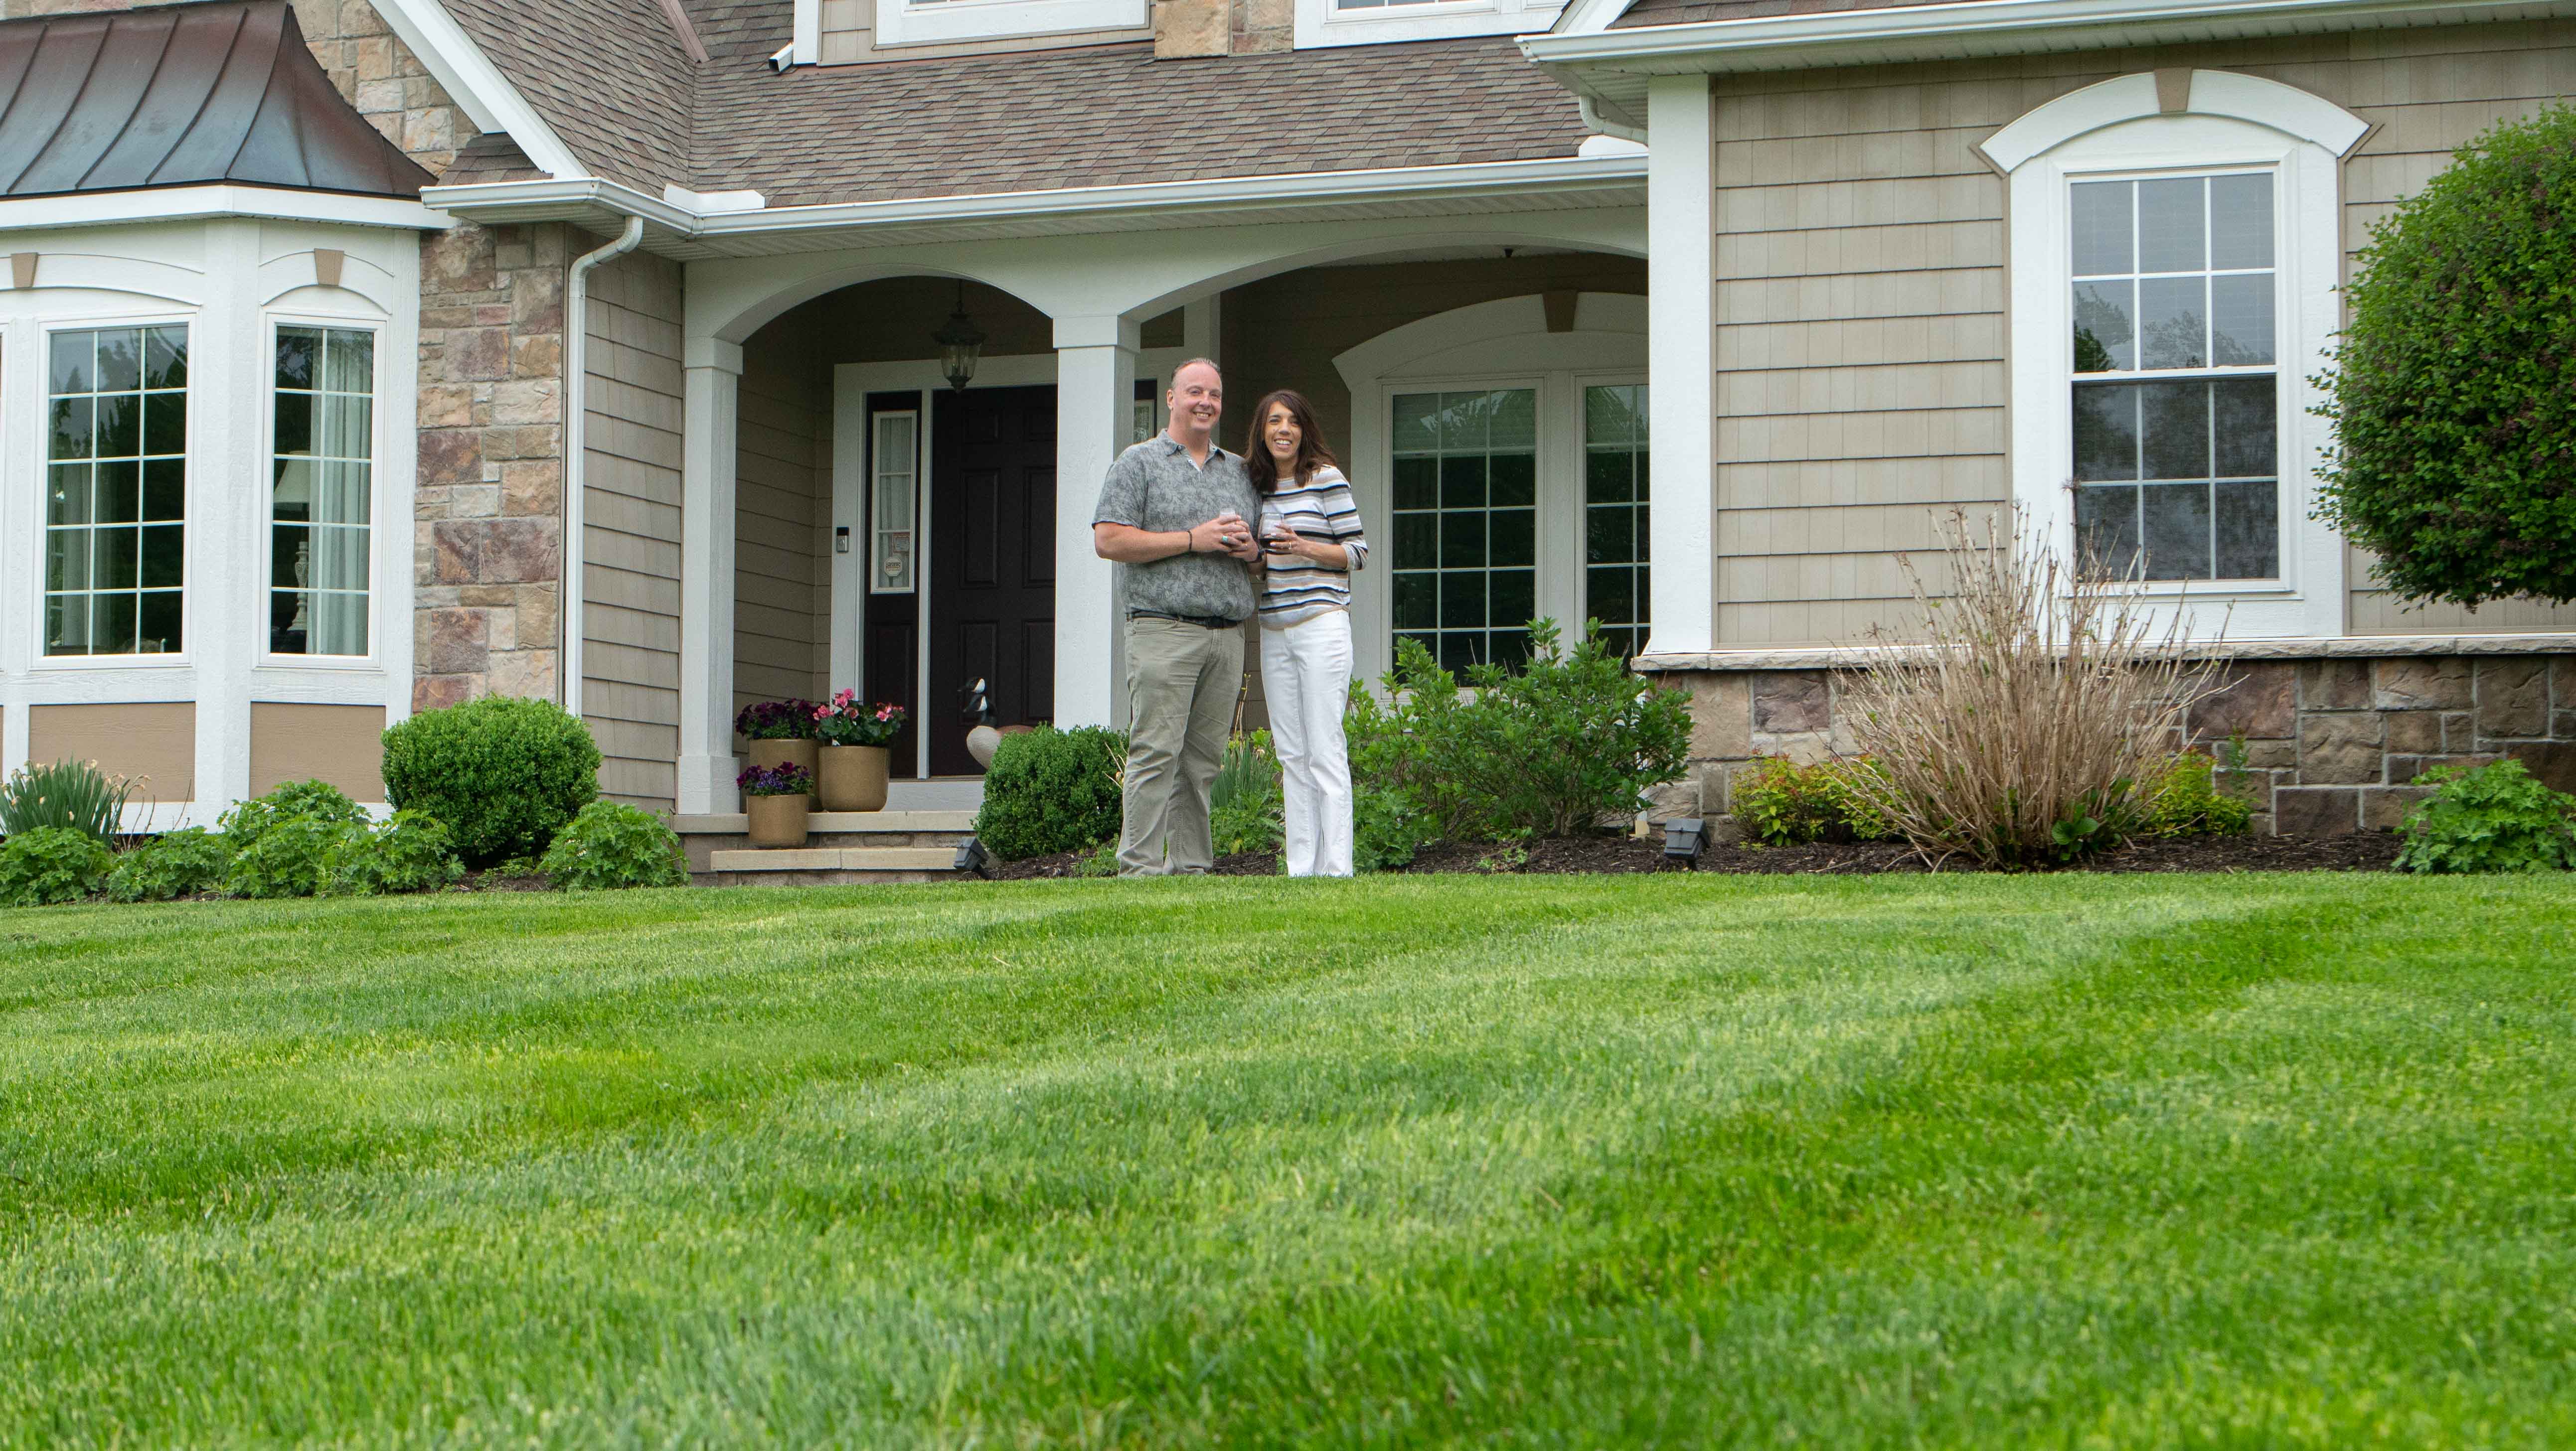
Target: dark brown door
992,573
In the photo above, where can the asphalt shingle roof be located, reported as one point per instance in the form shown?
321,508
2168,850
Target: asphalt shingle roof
1098,116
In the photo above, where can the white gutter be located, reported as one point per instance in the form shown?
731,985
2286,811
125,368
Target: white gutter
512,201
575,402
1971,27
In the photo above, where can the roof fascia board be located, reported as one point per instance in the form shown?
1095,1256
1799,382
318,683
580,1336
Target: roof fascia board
1994,27
473,82
520,201
197,203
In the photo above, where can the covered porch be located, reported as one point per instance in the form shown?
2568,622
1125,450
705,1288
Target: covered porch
801,500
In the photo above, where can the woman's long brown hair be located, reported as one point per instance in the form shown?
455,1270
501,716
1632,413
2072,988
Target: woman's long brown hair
1312,452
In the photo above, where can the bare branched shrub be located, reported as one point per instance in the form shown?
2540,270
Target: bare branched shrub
2032,703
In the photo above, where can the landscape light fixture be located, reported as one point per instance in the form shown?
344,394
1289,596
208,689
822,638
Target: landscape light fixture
961,344
1683,838
971,857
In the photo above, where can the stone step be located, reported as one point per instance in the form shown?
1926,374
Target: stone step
908,822
833,859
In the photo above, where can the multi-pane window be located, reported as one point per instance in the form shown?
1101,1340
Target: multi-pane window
894,495
321,487
1465,523
1614,513
116,490
2176,465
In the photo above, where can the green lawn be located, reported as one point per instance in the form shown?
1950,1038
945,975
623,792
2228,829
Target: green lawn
2070,1161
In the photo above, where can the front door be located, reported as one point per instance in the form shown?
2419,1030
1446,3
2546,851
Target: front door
992,573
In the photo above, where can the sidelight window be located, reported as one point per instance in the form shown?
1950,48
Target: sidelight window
321,491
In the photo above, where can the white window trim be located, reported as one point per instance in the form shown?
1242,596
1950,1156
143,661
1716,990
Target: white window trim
876,484
376,487
41,376
1499,344
2185,124
907,22
1323,23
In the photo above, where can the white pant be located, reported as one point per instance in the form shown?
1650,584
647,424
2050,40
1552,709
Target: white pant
1306,673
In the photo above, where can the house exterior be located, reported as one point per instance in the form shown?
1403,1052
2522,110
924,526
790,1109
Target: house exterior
645,314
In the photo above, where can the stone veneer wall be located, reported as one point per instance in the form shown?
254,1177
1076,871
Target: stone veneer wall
488,515
2330,745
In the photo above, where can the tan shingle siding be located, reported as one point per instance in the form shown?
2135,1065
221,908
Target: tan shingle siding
631,527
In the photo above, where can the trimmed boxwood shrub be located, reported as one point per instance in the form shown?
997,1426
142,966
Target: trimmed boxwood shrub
174,864
51,864
2455,450
1050,790
611,844
502,773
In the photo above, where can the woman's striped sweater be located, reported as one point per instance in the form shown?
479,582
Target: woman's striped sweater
1296,589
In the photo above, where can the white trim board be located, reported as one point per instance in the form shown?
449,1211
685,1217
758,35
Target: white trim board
200,203
932,22
1321,23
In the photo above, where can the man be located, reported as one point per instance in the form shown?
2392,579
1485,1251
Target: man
1175,510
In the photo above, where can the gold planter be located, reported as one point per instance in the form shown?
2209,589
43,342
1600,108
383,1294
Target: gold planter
778,820
766,754
851,778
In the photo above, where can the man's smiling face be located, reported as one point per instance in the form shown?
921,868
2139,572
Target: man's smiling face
1196,400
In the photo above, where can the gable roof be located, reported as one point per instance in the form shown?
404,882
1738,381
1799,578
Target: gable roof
221,91
610,77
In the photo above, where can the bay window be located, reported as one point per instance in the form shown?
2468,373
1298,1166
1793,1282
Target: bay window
116,490
321,491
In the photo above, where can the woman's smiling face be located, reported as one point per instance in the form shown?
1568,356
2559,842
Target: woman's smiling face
1279,431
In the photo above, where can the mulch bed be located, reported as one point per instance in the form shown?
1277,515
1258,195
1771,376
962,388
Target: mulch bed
2360,852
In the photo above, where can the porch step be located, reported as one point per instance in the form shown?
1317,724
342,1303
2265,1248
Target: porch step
739,824
814,866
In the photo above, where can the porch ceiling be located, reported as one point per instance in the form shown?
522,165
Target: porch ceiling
677,231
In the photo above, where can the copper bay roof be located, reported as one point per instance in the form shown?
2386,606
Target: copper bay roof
222,91
1097,116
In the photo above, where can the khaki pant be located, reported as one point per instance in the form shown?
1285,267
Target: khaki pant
1182,681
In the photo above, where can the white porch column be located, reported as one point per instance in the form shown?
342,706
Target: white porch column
706,578
1095,385
1681,346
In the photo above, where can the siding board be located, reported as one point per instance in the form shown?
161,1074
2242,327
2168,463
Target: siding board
631,527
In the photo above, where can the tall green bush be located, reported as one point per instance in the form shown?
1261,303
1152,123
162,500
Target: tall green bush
2454,457
1556,748
1052,790
504,774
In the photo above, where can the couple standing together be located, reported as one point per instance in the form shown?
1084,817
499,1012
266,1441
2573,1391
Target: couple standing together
1210,539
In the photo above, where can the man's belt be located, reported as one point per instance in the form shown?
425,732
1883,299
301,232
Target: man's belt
1204,622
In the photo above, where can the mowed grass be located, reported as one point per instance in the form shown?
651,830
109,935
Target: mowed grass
2080,1161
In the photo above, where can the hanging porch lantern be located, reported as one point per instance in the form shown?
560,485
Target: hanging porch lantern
961,344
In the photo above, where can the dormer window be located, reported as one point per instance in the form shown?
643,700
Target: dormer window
933,22
1369,22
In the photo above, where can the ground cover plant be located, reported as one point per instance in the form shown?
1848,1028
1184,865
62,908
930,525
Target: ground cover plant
2491,818
1936,1161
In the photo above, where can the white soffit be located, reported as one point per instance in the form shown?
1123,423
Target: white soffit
1571,183
1612,65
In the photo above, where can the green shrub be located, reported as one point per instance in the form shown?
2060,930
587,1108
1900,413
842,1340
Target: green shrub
248,821
504,774
288,859
2183,799
2495,818
1247,809
1781,803
51,864
1387,830
610,845
174,864
1050,791
1551,749
409,851
2449,388
72,794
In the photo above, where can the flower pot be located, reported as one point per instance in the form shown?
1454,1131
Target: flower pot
851,778
777,820
766,754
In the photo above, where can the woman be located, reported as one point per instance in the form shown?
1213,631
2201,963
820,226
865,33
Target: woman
1310,529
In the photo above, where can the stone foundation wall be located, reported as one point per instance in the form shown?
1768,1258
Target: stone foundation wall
2328,745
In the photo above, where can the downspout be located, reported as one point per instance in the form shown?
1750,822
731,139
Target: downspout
576,420
1602,125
